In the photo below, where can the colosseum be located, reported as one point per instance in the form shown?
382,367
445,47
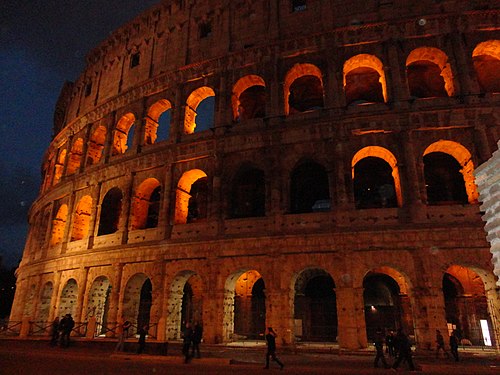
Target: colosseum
307,165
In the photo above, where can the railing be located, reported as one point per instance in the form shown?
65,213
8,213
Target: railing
152,330
10,328
109,329
39,328
80,329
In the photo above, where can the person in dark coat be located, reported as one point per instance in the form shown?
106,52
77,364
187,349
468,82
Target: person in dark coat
389,342
187,336
143,331
404,350
440,344
271,348
197,336
379,347
65,327
54,332
454,345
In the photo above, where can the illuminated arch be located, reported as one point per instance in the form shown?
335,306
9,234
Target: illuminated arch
196,97
58,225
298,71
366,61
151,125
437,57
75,157
240,86
486,57
382,153
81,218
183,194
463,156
96,145
142,203
121,133
59,167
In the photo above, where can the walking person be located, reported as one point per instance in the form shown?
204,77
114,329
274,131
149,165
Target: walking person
120,346
379,347
454,345
65,327
54,333
143,331
271,348
389,342
197,336
404,350
440,344
187,336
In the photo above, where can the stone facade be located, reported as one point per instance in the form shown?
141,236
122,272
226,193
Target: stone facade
321,200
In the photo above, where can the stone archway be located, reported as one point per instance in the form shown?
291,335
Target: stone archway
43,311
137,300
67,301
98,303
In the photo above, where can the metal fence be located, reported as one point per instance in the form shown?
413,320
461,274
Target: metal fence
10,328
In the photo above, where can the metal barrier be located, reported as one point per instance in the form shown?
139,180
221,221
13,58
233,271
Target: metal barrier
39,328
152,330
10,328
80,329
109,329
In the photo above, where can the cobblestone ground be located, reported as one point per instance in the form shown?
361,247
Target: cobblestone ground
25,357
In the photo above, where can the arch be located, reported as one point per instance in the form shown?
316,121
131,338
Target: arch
68,298
464,158
81,218
244,306
429,73
310,90
43,311
192,103
98,302
111,208
309,188
59,166
29,302
364,79
183,199
185,303
157,110
314,305
137,299
248,98
382,191
486,59
58,225
96,145
75,157
123,136
146,205
248,193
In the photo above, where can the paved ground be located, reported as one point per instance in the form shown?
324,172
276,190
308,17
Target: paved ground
28,357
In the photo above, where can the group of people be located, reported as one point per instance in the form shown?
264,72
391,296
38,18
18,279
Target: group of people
454,342
191,336
61,331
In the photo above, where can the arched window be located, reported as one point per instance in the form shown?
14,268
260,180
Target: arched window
248,194
191,197
81,219
303,89
123,134
364,80
58,225
429,73
200,110
157,127
309,188
486,57
110,212
96,145
75,157
249,98
59,167
146,205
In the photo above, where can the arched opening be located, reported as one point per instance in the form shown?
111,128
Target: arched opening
200,110
315,306
75,157
58,225
244,306
29,303
157,122
466,305
67,301
364,80
81,219
96,145
248,193
429,73
309,188
110,212
303,89
98,303
486,57
59,167
137,300
45,302
249,98
123,134
191,197
146,205
386,301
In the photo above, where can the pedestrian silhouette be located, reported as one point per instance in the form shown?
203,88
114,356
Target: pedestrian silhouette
271,348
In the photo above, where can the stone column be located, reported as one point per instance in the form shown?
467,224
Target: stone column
16,313
55,293
279,315
213,316
113,313
351,318
80,313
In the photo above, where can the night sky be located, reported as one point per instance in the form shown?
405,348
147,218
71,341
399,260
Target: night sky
43,43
